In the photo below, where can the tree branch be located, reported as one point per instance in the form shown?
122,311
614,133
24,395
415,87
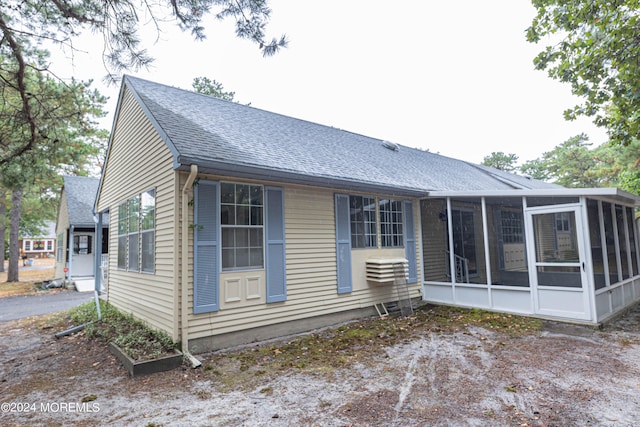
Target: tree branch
22,90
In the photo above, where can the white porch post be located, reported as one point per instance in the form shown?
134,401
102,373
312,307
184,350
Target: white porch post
97,252
487,255
70,252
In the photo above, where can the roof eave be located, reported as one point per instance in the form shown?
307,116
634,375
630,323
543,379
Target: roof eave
266,174
609,193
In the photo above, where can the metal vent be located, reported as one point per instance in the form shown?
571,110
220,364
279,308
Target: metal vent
390,145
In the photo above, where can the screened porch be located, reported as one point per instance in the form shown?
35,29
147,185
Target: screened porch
571,253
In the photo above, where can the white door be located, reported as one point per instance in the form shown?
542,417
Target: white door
556,252
82,264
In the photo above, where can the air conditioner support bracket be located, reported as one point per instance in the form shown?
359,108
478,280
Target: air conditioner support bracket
382,310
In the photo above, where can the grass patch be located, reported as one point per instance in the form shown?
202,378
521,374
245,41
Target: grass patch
46,271
454,318
12,289
133,336
331,349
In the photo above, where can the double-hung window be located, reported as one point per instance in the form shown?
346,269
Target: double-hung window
133,230
122,236
369,215
362,212
136,233
391,232
512,227
242,224
148,230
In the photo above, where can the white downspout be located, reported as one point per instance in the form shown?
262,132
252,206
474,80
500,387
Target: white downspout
70,253
184,282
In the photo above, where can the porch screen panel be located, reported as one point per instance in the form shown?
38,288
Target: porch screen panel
433,214
206,253
556,242
410,241
622,243
468,241
343,243
632,241
507,236
610,239
595,236
275,245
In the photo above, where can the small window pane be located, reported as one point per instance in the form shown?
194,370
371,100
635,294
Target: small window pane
256,195
256,215
242,215
148,251
242,194
228,258
228,238
227,214
147,210
227,193
255,237
134,214
242,257
256,255
122,218
134,253
242,237
122,252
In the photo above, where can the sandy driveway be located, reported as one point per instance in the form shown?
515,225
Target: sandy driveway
561,376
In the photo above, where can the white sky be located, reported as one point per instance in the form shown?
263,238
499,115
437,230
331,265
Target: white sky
453,77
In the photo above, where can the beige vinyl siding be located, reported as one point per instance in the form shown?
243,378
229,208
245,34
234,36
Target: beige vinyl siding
62,225
138,161
311,272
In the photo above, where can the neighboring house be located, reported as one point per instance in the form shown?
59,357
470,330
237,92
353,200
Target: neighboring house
235,224
77,241
41,246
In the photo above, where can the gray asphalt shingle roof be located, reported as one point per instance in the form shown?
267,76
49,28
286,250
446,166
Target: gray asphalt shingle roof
80,193
229,138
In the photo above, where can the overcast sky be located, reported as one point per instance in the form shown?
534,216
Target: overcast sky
453,77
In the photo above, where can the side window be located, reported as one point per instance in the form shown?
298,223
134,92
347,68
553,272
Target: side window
242,223
133,230
122,236
136,233
367,215
148,230
362,212
512,227
391,219
59,248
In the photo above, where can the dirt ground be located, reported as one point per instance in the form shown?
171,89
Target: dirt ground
560,376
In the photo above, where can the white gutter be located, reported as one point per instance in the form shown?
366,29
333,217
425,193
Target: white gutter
184,282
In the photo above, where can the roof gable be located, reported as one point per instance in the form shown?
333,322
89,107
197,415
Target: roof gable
80,196
227,138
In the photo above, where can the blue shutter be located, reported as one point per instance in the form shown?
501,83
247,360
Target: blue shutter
206,254
275,251
343,243
410,241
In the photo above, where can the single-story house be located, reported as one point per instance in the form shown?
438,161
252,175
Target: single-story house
236,224
42,245
77,244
